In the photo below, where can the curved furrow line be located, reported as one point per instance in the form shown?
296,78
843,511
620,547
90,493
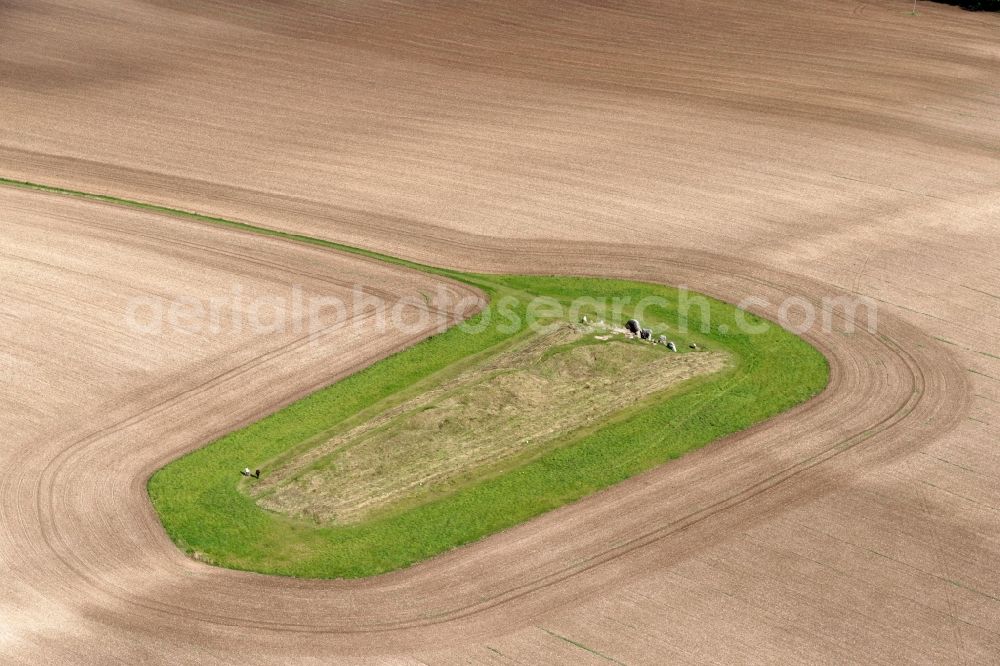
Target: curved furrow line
912,398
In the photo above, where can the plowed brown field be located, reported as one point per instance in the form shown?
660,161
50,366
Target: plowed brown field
744,149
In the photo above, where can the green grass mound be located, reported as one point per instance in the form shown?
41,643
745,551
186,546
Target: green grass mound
211,513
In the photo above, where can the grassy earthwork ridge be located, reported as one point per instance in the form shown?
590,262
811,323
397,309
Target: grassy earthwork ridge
199,500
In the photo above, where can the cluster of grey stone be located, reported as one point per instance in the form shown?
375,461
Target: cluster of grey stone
635,328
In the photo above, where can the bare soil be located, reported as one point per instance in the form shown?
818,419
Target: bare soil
768,149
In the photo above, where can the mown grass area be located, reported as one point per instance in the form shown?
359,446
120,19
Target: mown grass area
202,509
198,499
446,436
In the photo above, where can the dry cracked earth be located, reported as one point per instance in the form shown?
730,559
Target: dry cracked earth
788,149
